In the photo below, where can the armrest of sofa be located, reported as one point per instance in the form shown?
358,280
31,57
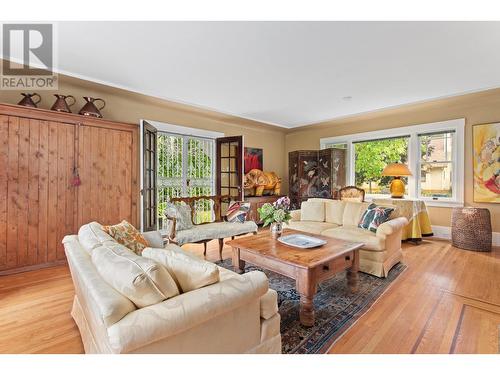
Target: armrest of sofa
183,312
103,301
295,215
391,226
269,304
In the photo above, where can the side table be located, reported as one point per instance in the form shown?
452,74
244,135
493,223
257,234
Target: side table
471,228
415,210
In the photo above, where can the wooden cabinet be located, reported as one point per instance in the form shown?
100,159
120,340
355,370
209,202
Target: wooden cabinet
41,152
107,165
315,174
257,202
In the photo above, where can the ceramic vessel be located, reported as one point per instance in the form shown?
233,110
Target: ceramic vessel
28,101
90,109
61,105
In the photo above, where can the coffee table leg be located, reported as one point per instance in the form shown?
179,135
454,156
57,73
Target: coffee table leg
352,273
238,264
306,286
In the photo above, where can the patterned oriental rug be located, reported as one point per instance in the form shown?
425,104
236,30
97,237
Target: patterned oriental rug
336,308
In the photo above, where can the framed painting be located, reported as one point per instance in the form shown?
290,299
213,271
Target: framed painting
253,159
486,162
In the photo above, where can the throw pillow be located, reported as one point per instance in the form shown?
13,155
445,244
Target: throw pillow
189,272
312,211
140,279
237,211
126,234
182,214
154,238
374,216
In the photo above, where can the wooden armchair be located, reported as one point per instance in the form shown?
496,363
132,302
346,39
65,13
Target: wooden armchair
208,228
351,193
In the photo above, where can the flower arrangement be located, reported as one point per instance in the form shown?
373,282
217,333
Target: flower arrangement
278,212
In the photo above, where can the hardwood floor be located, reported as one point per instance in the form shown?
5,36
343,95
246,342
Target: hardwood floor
447,301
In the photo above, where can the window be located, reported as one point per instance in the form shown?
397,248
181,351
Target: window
370,159
433,152
342,146
436,165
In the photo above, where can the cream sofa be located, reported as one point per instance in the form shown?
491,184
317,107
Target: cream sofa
339,219
238,314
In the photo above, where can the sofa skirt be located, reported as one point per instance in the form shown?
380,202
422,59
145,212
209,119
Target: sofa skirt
379,268
88,340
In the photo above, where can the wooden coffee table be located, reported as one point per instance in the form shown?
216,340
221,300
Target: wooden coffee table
307,267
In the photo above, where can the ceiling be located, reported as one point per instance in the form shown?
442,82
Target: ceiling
285,73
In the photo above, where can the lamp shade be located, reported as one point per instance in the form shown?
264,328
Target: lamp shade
396,169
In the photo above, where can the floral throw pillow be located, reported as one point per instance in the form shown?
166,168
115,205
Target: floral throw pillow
182,214
374,216
237,211
127,235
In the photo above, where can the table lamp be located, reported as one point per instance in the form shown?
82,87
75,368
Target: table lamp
396,170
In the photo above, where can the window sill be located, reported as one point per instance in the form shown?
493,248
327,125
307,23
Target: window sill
428,202
433,203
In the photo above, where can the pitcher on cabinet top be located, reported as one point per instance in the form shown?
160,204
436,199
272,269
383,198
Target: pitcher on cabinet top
90,109
61,105
27,100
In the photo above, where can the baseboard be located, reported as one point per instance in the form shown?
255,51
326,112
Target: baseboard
445,233
33,267
440,231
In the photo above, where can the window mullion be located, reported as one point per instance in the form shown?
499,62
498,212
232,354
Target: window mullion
454,165
414,164
350,167
185,190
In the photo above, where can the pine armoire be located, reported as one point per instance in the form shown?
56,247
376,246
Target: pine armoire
59,171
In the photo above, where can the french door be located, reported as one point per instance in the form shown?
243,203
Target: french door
229,169
176,165
149,167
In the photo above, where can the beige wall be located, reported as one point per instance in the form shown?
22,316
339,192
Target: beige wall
478,108
130,107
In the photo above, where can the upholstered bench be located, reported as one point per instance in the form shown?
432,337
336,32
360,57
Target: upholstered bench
203,233
210,231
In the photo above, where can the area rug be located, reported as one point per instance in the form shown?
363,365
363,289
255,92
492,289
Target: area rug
336,308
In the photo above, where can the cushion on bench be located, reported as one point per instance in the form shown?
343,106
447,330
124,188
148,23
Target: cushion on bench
214,230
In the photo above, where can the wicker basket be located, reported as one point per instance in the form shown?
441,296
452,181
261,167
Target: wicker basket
471,228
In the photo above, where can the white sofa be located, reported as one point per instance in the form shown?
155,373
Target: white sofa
238,314
339,219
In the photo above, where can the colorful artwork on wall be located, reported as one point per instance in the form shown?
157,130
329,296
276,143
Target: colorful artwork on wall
486,162
253,159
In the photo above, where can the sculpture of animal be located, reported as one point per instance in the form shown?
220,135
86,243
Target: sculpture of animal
257,182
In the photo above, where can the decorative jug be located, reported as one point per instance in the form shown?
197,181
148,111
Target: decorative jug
27,101
61,105
90,109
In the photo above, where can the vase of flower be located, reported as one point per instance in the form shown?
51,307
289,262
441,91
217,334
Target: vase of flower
276,229
275,215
